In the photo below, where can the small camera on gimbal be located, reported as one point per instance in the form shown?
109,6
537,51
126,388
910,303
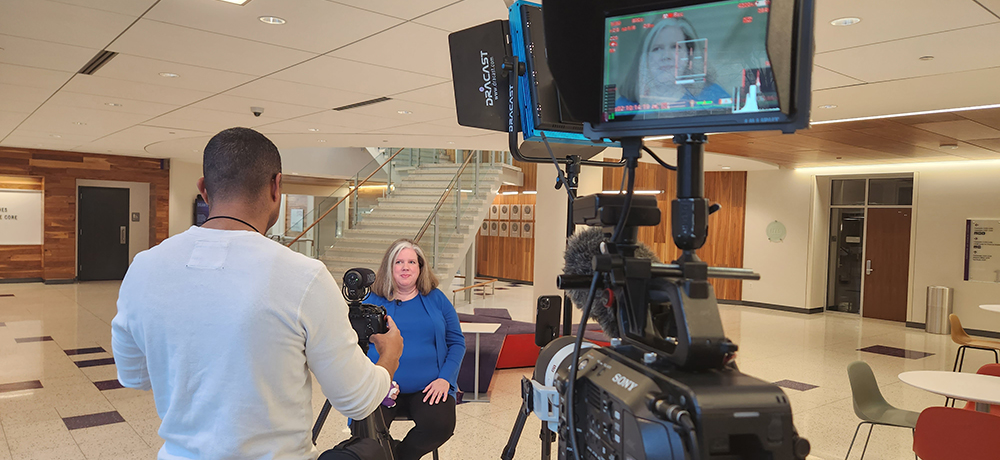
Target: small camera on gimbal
366,319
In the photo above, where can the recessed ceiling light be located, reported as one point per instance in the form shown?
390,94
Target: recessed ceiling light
321,140
949,145
55,136
727,167
451,143
112,104
273,20
168,75
237,2
845,21
404,112
79,123
926,58
828,106
314,129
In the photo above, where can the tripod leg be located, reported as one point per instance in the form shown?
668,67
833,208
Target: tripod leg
522,417
547,436
321,419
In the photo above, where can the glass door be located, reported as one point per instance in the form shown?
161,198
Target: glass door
846,259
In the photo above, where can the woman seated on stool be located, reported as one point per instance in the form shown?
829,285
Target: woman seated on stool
433,350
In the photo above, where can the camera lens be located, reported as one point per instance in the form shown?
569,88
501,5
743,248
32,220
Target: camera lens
352,279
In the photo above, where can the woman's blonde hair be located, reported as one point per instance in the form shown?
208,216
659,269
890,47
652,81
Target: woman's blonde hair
632,86
385,286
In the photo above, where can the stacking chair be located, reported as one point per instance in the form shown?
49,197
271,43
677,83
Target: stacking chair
959,336
871,407
943,433
987,369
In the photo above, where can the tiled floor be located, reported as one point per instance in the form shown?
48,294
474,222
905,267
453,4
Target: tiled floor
80,413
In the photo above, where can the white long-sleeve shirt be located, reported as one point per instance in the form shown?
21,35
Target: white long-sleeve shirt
224,326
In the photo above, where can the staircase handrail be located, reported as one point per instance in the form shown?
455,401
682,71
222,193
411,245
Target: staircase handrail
342,199
444,196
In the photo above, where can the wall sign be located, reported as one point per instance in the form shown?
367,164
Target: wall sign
776,232
20,217
982,250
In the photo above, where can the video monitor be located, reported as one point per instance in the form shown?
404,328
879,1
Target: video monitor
705,59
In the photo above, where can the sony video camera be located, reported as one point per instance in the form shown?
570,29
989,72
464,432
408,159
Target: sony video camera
366,319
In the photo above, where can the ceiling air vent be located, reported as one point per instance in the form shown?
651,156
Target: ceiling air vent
362,103
97,62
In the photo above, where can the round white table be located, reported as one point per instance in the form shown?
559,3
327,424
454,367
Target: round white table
478,329
993,308
981,389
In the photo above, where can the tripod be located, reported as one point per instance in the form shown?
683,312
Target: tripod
373,426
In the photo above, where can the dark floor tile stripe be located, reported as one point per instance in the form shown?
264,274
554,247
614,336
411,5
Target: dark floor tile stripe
108,385
897,352
17,386
92,420
33,339
95,362
84,351
6,295
791,384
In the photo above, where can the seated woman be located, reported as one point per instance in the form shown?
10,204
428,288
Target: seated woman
433,347
670,49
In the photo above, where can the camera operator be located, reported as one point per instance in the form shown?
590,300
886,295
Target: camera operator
225,325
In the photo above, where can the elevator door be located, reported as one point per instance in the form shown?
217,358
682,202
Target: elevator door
102,235
887,263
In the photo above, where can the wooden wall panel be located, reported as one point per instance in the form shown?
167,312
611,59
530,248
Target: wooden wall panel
21,261
724,247
60,170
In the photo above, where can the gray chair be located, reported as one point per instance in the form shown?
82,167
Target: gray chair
871,407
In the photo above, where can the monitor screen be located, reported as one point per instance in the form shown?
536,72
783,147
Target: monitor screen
708,59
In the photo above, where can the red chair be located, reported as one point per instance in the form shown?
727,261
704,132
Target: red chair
945,433
987,369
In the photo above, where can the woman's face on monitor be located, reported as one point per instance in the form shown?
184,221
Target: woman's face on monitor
664,54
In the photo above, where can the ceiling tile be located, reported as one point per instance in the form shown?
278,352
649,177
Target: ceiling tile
168,42
94,102
823,78
465,14
33,76
317,26
62,23
342,74
991,144
410,47
990,117
62,121
991,5
885,20
44,55
9,121
431,129
417,112
23,99
900,59
135,139
271,89
144,70
406,9
212,121
133,8
241,105
973,152
118,91
358,123
440,95
962,130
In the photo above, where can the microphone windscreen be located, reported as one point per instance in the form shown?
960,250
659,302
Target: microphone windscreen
580,251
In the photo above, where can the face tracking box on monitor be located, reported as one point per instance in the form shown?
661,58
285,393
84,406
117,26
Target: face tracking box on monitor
681,67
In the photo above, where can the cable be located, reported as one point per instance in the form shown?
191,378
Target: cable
621,187
688,425
658,160
559,171
627,206
574,366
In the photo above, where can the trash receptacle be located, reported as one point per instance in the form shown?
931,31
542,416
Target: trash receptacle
939,307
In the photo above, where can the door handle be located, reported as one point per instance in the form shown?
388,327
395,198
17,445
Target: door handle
868,267
122,241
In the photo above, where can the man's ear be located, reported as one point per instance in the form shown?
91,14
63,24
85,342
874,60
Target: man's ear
202,190
275,192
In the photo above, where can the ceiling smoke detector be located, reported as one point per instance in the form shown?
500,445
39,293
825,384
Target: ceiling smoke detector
845,21
949,145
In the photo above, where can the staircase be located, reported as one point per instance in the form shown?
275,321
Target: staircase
404,211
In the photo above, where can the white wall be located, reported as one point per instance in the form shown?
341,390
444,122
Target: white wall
183,190
138,201
550,231
784,196
945,195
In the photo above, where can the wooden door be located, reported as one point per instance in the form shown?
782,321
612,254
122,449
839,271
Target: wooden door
887,263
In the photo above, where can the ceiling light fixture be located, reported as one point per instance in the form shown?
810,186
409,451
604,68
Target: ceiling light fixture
321,140
907,114
80,123
313,129
845,21
926,58
451,143
949,145
828,106
55,136
530,192
168,75
112,104
509,193
273,20
236,2
404,112
727,167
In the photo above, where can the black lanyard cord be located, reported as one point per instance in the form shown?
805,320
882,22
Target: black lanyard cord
232,218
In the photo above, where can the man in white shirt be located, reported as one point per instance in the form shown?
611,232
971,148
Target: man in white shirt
225,325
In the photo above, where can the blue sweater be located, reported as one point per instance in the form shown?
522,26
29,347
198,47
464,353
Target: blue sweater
448,340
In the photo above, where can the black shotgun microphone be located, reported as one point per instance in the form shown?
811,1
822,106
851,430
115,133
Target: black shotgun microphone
578,271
